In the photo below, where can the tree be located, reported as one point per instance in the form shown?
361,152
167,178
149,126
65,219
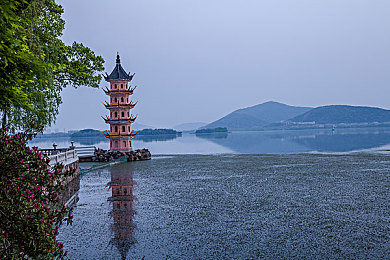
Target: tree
30,210
35,65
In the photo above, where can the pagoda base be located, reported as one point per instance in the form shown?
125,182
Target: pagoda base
121,144
121,150
101,155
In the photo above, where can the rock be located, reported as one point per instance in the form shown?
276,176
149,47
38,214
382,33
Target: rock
106,156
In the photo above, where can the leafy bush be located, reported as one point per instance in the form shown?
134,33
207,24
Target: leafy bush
30,208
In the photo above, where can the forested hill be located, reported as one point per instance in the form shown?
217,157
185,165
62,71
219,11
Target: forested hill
87,133
336,114
255,117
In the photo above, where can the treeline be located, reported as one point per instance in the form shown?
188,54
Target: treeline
87,133
157,132
212,130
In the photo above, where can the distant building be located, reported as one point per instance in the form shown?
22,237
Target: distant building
120,118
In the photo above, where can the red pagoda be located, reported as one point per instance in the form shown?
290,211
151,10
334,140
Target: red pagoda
120,118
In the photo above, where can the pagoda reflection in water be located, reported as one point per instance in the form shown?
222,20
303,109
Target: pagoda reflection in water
122,208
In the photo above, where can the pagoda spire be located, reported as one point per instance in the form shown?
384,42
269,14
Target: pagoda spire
118,59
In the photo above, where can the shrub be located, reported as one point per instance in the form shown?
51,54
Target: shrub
30,208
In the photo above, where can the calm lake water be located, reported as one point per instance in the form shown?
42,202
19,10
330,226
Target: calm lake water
269,142
245,195
303,206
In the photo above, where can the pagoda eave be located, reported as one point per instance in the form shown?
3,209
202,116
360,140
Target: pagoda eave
118,92
120,135
128,79
115,122
119,107
120,138
115,93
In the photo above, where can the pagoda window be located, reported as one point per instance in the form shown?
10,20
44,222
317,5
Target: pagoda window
127,100
123,129
116,114
128,114
115,85
129,128
123,114
121,85
115,100
122,100
116,144
116,130
124,143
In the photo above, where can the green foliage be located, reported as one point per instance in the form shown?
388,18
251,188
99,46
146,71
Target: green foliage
30,210
212,130
35,65
157,132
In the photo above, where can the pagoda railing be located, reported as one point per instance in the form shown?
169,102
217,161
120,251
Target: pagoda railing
118,91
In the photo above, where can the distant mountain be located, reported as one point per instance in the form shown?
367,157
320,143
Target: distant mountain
189,126
258,116
337,114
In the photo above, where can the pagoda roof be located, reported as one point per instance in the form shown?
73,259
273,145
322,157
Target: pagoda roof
118,73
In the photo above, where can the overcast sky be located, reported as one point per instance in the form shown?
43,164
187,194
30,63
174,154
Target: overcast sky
198,60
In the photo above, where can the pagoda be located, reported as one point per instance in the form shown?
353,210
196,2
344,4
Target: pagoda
120,118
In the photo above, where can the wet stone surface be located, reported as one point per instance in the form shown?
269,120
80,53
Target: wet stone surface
235,207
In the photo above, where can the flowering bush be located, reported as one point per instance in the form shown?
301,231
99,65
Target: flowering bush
30,208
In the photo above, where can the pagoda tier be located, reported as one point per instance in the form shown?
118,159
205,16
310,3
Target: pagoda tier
129,91
109,120
120,106
120,135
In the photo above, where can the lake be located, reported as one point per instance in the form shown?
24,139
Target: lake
303,206
268,142
243,195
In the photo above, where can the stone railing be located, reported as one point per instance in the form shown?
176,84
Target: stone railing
64,156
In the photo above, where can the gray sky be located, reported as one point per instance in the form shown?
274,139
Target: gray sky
200,60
